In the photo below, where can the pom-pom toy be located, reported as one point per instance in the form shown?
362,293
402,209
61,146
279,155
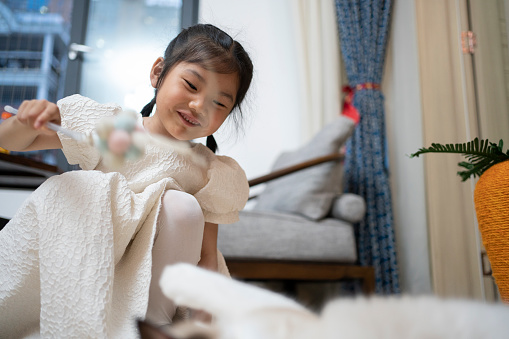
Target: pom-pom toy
119,138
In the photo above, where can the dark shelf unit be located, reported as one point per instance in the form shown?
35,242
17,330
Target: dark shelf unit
24,173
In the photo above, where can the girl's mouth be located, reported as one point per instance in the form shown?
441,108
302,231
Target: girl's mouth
189,119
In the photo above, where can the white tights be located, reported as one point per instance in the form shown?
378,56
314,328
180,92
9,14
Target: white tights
179,239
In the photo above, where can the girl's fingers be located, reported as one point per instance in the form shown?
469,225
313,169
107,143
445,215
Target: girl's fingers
21,116
26,112
36,113
40,113
47,115
41,119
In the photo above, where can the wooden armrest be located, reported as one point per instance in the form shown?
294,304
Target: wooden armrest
295,168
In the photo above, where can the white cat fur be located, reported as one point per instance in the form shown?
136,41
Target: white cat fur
243,311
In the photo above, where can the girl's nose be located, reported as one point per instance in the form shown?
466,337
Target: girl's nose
197,104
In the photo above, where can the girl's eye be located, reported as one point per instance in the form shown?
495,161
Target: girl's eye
219,104
190,85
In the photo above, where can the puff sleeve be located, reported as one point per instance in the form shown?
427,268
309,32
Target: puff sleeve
81,114
225,193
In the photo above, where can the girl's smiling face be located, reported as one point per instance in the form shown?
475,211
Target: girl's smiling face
191,102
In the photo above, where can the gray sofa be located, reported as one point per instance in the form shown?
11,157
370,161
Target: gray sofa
284,236
301,226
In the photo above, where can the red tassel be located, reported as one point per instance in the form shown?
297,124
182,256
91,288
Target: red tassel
348,109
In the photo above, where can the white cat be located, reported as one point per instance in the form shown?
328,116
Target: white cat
243,311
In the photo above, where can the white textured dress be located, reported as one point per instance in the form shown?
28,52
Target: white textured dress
75,261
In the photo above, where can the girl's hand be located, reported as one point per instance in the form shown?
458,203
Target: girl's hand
209,248
36,113
27,131
208,261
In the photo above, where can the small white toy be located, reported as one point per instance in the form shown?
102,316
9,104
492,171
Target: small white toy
117,138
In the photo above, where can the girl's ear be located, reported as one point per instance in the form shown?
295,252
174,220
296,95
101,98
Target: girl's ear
156,70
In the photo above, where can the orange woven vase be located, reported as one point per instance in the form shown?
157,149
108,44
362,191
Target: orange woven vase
491,197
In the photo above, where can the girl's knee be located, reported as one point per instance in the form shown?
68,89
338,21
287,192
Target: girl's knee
181,221
182,207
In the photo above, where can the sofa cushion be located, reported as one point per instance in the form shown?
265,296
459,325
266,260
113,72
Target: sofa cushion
309,192
272,235
348,207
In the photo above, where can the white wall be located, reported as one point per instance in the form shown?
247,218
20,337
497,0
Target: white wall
273,110
264,27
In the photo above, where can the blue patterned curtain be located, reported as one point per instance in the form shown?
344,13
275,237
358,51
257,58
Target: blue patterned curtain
363,30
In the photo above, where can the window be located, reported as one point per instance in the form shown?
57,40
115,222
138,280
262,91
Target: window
33,39
35,36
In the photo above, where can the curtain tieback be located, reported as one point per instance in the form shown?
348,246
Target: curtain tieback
349,109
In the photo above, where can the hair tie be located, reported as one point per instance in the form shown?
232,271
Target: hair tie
211,143
147,110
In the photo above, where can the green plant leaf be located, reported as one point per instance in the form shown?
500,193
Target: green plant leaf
480,155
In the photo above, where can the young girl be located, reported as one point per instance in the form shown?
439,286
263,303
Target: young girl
83,256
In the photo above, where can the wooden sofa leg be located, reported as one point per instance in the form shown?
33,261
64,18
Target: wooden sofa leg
368,281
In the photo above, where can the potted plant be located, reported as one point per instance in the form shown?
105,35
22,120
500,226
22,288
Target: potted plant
487,161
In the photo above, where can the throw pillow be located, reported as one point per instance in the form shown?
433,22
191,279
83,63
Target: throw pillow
309,192
348,207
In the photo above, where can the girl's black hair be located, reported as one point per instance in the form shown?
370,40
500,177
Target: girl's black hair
212,49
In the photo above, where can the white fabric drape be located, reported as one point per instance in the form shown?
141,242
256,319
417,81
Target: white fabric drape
319,63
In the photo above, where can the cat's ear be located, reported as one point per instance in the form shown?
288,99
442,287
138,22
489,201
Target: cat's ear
148,331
